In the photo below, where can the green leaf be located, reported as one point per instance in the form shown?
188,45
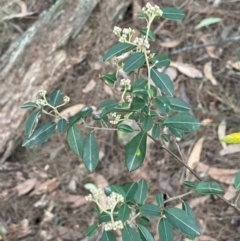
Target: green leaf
165,230
160,61
147,123
142,15
117,50
136,151
162,81
178,105
159,199
104,217
90,152
31,122
124,213
188,209
108,236
176,132
208,187
55,98
156,131
29,105
110,78
137,104
108,103
173,13
91,230
62,125
237,181
189,184
130,234
140,84
182,221
151,35
166,137
83,113
143,220
182,121
40,134
150,210
135,61
75,140
124,128
207,21
142,192
118,189
130,189
145,233
163,104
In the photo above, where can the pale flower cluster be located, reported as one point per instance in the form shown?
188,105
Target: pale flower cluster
95,195
66,99
123,34
113,199
113,226
152,10
116,118
142,44
41,102
126,83
129,98
42,92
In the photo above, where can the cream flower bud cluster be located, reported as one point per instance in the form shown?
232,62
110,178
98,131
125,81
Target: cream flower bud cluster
114,199
113,226
142,44
152,10
125,83
95,194
123,34
66,99
42,92
129,98
40,102
116,118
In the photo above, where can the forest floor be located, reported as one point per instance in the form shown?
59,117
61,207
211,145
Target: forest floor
44,198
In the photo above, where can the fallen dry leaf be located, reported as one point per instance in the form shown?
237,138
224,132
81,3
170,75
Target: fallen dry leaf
210,49
18,231
205,238
187,69
89,87
25,187
75,200
219,174
171,72
195,202
170,44
194,157
222,132
208,73
230,149
206,121
46,187
71,111
230,193
234,65
108,90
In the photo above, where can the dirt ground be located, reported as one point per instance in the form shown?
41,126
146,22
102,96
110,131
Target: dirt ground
42,194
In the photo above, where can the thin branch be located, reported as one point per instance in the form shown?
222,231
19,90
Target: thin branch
190,169
193,47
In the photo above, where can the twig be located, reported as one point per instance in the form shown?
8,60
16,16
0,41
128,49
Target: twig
190,169
193,47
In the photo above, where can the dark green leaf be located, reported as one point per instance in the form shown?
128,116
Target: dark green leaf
182,121
130,234
108,103
166,137
74,119
90,152
176,132
143,220
208,187
140,84
162,81
108,236
62,125
118,189
188,209
151,35
173,13
182,221
145,233
124,213
105,217
137,103
91,230
150,210
142,192
163,104
147,123
117,50
136,151
29,105
31,122
130,189
86,111
237,181
160,61
124,128
107,190
55,98
159,199
110,78
165,230
40,134
189,184
135,61
177,104
75,140
156,131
